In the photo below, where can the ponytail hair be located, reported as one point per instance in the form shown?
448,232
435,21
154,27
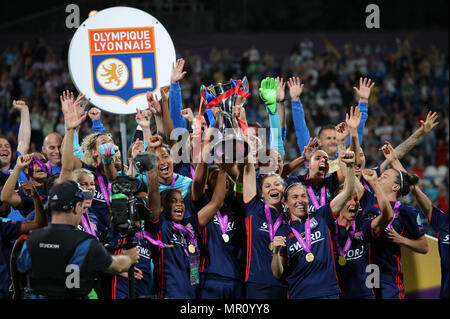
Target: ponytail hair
405,180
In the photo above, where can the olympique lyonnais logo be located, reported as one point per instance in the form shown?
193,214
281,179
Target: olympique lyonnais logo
123,61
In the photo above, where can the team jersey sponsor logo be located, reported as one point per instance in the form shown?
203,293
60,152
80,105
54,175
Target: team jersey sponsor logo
315,238
445,239
355,253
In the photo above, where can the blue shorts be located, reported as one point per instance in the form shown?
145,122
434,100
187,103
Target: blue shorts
213,286
262,291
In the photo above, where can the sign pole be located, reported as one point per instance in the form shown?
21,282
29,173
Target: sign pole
123,137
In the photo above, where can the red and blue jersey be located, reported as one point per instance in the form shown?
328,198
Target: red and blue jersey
9,232
331,183
230,261
353,274
386,254
317,278
439,222
172,264
119,285
259,256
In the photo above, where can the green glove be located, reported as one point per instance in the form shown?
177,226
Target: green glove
268,93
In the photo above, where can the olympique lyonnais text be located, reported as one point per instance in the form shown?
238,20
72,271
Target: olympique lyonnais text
123,40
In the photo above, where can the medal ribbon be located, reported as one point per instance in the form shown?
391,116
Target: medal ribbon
396,207
306,243
190,234
192,170
223,222
151,238
87,225
313,197
348,242
272,228
174,179
39,163
101,183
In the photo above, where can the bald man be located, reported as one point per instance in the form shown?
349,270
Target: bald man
51,148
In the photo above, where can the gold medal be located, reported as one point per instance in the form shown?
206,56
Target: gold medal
191,248
271,246
226,238
309,257
342,261
169,246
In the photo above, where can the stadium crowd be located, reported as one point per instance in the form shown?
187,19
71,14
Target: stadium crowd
274,237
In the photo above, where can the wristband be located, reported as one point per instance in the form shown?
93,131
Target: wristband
239,187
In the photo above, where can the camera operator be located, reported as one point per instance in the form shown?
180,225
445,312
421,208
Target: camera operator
61,261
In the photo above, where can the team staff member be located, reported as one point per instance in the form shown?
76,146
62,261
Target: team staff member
47,252
303,249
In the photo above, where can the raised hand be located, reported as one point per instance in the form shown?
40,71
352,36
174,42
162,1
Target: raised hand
354,118
142,118
164,92
71,117
348,157
177,73
278,242
187,114
268,93
79,106
342,131
239,113
138,147
154,142
370,176
430,122
310,148
388,152
153,104
29,189
24,160
295,88
94,113
365,85
280,89
20,105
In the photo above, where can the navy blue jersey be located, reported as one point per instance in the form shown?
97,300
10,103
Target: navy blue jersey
386,254
9,231
259,256
353,273
89,217
229,263
99,205
317,278
119,287
26,205
331,183
172,265
439,222
184,169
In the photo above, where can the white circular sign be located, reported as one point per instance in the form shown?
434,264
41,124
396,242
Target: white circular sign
118,55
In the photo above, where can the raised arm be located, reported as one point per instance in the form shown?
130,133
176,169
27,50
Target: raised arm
268,93
201,171
337,203
365,86
249,179
156,110
23,140
40,219
425,204
281,87
382,220
407,145
217,200
8,194
154,198
298,115
175,105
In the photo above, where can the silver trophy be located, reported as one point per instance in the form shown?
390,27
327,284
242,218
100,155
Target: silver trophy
219,101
